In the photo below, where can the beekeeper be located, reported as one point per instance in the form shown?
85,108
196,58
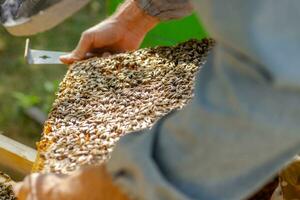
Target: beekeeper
240,129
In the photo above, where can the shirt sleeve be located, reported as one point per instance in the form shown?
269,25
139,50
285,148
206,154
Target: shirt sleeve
166,9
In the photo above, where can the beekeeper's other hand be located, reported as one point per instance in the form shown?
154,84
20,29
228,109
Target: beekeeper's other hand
123,31
87,183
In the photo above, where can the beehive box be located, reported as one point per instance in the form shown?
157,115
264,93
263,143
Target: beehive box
16,160
102,99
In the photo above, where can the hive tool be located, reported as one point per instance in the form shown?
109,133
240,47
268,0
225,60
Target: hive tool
34,56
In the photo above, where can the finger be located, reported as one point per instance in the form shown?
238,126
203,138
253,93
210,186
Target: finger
84,46
67,59
21,191
17,188
38,186
24,189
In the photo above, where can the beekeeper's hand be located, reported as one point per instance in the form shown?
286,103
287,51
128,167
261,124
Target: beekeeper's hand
88,183
123,31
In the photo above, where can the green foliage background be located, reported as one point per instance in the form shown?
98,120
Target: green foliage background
23,85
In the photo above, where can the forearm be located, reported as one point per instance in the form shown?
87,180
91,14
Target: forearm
143,15
134,18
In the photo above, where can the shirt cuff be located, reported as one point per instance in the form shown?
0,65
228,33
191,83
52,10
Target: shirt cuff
166,10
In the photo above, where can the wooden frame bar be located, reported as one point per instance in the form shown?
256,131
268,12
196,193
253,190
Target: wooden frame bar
16,156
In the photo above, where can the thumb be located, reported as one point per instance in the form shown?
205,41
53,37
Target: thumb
84,46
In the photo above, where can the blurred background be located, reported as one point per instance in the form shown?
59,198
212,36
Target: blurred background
24,87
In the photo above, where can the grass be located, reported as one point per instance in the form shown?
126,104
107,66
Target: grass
23,85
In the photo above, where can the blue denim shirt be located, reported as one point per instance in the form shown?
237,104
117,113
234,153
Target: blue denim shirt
243,124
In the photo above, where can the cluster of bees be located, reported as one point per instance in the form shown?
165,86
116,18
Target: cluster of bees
6,191
102,99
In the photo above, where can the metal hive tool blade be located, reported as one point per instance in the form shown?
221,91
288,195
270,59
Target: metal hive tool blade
34,56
